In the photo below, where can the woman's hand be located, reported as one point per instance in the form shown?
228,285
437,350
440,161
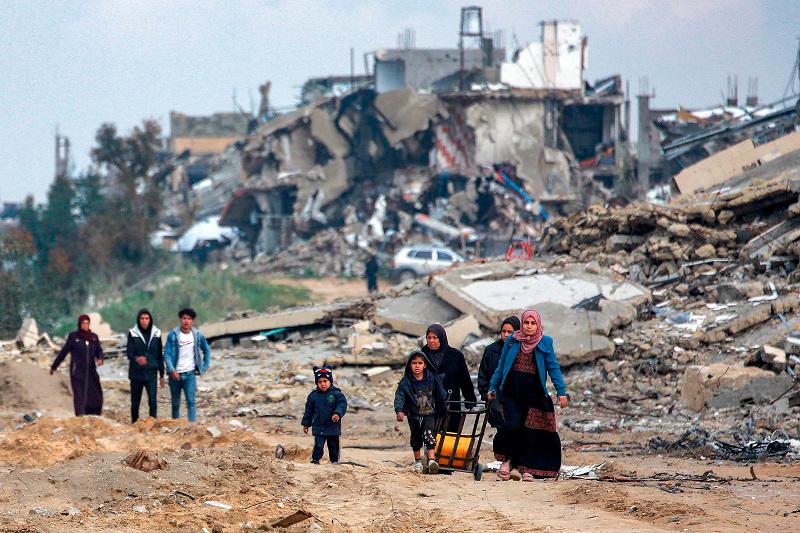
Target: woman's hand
401,416
98,362
161,383
562,401
491,396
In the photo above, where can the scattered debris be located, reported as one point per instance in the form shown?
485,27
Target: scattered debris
292,519
146,461
220,505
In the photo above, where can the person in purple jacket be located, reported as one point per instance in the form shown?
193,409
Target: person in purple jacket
86,355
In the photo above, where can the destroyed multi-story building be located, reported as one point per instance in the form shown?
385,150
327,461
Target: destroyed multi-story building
679,144
206,135
416,135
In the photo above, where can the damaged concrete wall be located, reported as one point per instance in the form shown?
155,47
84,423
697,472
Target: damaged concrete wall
556,62
514,131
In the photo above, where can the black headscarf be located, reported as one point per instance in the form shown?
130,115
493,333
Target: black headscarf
149,330
87,336
512,321
437,356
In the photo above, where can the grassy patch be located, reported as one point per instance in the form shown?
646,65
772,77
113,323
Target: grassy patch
212,293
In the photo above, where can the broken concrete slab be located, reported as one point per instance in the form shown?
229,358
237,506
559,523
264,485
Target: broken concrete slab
619,242
28,334
460,329
774,356
290,318
276,396
492,291
414,313
722,386
406,112
377,374
364,342
101,328
368,359
578,335
569,287
747,318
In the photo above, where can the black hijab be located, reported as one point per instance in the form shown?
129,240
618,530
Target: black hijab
146,332
437,356
512,321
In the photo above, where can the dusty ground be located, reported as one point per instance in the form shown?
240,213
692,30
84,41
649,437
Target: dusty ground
67,474
326,290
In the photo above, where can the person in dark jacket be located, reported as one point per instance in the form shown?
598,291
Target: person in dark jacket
450,364
421,398
86,355
325,407
371,273
489,361
146,362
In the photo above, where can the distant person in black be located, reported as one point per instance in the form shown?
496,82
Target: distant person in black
489,362
371,273
450,364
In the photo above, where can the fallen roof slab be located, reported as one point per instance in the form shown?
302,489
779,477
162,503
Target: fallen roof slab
414,313
492,291
300,316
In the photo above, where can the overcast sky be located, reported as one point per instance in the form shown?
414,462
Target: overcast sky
77,64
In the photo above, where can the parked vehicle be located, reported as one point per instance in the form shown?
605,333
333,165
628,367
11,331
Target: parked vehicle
421,260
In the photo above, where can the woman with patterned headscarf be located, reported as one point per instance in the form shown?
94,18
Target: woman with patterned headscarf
87,355
528,439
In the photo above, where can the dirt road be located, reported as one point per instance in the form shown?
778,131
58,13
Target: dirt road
67,474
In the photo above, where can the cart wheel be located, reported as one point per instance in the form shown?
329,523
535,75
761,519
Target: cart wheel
478,472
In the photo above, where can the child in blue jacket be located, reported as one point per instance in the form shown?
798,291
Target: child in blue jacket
325,407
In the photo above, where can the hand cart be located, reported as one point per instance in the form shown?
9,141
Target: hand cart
459,451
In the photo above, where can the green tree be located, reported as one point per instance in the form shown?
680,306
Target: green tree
59,226
89,199
129,162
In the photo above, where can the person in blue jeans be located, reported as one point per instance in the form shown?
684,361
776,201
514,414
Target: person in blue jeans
186,356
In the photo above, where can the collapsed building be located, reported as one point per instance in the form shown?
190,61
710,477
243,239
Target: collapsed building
374,158
680,145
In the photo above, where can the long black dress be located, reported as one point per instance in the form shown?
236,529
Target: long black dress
528,437
87,394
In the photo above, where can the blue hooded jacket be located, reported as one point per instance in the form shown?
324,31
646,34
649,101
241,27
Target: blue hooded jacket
546,363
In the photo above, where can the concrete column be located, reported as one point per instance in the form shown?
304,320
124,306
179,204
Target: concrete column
643,145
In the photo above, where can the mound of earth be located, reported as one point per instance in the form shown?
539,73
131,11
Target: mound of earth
26,387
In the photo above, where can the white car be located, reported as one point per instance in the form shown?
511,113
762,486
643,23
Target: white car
421,260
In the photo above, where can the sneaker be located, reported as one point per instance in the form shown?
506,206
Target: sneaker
433,467
314,462
418,467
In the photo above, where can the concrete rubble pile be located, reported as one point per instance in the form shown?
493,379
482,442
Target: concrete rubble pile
721,334
325,254
691,240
